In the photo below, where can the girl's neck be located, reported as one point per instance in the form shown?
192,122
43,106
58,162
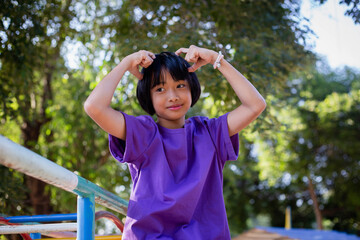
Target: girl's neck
171,124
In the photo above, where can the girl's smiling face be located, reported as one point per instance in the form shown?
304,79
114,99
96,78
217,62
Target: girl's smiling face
167,68
171,100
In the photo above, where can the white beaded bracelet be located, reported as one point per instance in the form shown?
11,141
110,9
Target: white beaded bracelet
218,59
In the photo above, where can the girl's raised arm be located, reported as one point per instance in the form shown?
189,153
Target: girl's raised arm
252,102
97,105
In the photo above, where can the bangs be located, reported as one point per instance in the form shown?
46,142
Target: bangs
177,67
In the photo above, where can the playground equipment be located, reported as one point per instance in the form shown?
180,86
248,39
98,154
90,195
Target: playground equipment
17,157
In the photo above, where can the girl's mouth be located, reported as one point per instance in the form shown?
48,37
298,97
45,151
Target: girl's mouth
175,107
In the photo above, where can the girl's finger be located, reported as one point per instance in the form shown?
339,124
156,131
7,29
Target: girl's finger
147,61
152,55
192,56
146,64
144,55
181,50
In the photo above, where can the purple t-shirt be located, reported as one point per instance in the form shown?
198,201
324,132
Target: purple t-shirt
177,177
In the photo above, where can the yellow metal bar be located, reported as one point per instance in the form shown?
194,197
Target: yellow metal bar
288,218
112,237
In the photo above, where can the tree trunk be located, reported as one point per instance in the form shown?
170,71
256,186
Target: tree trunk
38,199
13,237
317,211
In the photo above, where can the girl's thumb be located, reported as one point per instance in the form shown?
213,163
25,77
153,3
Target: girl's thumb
194,67
137,74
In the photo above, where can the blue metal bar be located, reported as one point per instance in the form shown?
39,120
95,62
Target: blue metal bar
43,218
86,217
35,235
102,196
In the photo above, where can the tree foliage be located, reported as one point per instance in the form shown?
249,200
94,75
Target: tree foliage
42,93
319,143
32,33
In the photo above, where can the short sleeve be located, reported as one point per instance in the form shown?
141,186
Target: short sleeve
227,147
140,132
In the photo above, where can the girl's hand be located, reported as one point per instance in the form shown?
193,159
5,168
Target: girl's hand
198,56
141,58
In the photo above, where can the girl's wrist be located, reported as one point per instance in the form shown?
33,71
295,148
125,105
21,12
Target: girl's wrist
214,56
126,63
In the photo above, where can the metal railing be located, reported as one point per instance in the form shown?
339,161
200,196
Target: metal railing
17,157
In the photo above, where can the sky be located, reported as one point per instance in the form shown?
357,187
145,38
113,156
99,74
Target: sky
338,38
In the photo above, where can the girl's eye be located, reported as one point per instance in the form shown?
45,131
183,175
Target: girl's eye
181,86
160,89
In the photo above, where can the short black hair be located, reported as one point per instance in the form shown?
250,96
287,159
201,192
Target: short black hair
155,74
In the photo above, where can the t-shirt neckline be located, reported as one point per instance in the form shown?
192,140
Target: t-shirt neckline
172,130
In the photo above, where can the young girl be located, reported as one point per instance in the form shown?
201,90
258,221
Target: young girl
175,163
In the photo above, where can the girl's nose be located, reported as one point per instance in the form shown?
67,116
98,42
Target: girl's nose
173,96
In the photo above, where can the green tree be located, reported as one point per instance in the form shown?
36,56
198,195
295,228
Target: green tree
33,33
318,144
42,98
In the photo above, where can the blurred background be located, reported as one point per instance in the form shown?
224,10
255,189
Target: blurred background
303,56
